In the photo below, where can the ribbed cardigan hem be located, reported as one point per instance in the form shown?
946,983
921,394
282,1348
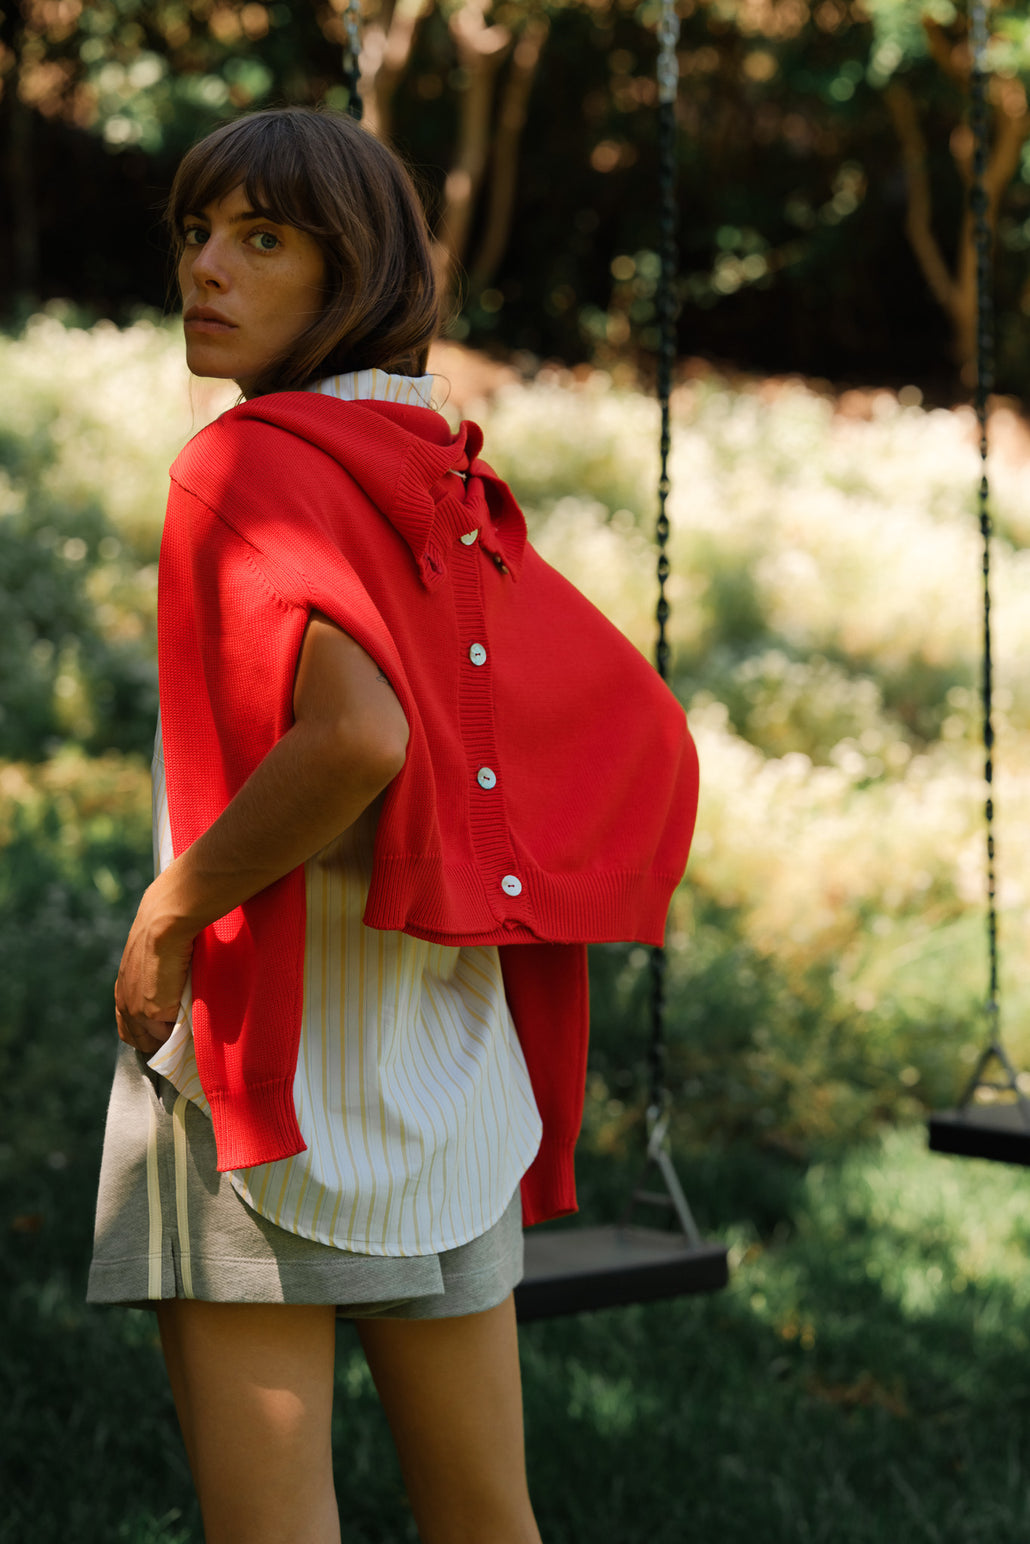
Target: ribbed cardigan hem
614,906
255,1123
549,1184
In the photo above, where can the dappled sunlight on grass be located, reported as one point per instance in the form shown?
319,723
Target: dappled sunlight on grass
857,1374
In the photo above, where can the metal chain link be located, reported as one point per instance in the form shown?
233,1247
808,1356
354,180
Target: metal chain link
984,386
352,57
668,76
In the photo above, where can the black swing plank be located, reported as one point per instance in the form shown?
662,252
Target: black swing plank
998,1131
573,1270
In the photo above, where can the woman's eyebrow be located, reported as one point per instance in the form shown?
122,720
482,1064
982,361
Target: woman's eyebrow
236,219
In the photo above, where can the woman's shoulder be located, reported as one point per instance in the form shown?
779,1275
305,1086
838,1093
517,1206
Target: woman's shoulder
248,448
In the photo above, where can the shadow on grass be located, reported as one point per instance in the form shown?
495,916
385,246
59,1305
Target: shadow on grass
863,1379
858,1382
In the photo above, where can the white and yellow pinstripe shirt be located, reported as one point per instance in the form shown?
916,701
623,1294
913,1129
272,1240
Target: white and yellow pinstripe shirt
411,1089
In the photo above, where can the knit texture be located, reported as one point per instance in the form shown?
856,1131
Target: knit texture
293,503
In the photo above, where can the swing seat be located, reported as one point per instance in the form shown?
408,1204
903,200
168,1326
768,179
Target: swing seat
575,1270
997,1131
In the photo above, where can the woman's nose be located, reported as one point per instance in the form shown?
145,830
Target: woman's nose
208,266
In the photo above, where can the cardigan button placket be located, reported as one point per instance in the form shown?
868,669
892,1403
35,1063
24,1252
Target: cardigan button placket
511,884
486,777
477,654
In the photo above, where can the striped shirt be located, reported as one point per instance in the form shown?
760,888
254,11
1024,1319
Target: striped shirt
411,1090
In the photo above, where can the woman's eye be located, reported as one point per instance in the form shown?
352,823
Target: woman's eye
265,241
194,236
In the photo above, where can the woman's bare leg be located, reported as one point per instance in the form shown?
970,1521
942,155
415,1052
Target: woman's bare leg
253,1387
168,1323
452,1392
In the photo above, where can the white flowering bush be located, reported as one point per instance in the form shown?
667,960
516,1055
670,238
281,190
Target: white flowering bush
828,959
112,407
92,420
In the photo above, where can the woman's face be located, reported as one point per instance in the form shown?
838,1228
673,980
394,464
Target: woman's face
249,288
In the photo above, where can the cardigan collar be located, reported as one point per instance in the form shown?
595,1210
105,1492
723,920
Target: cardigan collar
428,481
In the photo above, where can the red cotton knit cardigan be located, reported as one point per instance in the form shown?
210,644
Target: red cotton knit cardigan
298,502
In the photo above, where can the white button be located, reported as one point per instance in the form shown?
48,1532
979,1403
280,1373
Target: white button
477,654
486,777
469,537
511,885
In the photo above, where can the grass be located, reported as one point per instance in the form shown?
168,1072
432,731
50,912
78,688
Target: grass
864,1378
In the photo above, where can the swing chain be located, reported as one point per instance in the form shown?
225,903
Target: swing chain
668,64
668,76
673,1197
984,386
352,57
978,202
668,71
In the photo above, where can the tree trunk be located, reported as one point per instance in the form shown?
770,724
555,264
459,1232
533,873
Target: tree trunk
16,127
481,49
957,292
505,159
384,58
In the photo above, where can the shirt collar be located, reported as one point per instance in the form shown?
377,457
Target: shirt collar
377,386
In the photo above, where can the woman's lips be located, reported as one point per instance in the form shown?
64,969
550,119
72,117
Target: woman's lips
208,324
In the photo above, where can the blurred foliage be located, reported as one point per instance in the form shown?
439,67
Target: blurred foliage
828,953
61,674
86,441
827,956
793,183
75,836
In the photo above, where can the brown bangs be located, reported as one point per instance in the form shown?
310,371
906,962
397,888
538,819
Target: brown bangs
321,172
250,154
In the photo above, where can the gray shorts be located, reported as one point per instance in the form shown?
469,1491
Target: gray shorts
169,1225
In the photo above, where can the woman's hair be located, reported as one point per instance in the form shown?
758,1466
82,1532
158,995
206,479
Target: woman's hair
320,171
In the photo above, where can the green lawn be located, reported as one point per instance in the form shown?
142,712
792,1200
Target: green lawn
864,1378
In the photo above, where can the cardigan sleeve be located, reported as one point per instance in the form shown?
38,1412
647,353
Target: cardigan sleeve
549,996
228,646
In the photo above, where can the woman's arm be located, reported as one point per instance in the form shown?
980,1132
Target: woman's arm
347,742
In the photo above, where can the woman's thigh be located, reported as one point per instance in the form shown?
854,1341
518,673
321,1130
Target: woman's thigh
253,1386
452,1392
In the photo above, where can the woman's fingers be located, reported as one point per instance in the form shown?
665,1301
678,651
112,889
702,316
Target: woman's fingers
151,979
145,1036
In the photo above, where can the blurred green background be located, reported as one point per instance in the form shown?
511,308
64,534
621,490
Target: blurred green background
824,155
862,1378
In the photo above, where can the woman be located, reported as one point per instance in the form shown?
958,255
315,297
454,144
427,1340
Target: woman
403,773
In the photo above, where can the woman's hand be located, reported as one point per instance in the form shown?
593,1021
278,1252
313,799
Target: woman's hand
152,975
346,744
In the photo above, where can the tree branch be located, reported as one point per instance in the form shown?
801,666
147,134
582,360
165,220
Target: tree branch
952,58
481,49
918,219
510,123
385,54
1011,130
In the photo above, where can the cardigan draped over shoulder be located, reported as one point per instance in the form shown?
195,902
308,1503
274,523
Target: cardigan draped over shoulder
383,519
